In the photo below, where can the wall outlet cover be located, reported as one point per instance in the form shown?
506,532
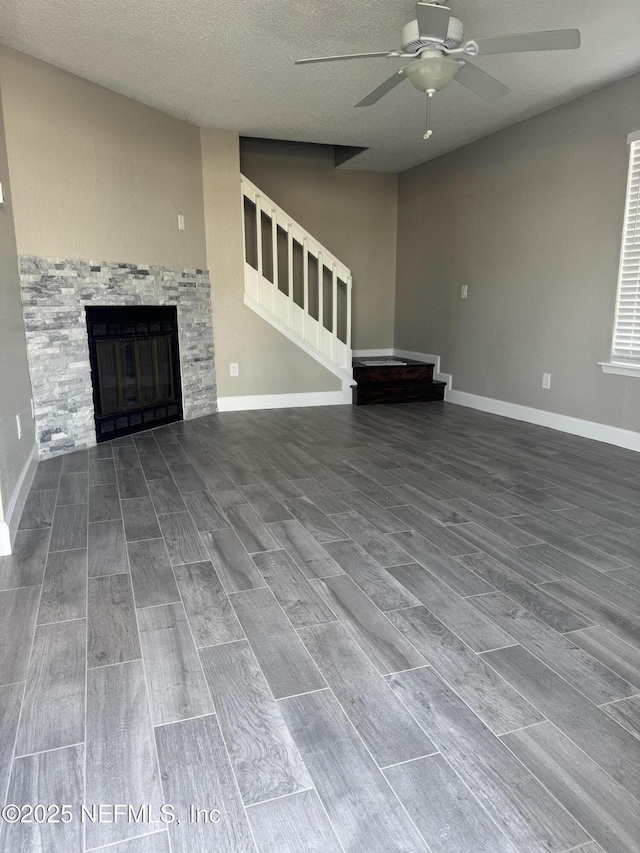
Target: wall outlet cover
546,380
233,369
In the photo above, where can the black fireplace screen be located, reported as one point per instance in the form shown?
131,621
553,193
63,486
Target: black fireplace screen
135,368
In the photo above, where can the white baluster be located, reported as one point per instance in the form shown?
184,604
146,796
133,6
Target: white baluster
305,279
349,284
320,298
334,314
259,241
290,272
274,250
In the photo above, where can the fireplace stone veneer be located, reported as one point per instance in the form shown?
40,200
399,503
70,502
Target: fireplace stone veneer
55,293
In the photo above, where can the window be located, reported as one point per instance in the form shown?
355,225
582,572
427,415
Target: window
625,348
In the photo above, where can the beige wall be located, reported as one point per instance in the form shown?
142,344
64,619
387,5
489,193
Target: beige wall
15,388
96,175
99,176
530,219
354,214
268,362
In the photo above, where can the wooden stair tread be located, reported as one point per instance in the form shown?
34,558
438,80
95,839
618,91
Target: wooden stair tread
397,381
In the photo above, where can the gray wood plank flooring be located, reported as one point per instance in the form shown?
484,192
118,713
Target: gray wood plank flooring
10,702
454,612
602,739
389,732
107,548
378,583
583,671
611,651
447,814
626,713
385,646
153,578
121,756
492,698
364,812
38,510
64,588
336,626
286,663
293,824
69,528
299,600
209,611
48,777
267,763
533,598
156,842
516,801
205,781
175,681
313,558
236,569
182,539
25,566
18,612
112,632
54,701
605,809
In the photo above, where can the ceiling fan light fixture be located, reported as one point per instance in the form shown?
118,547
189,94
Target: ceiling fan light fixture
432,72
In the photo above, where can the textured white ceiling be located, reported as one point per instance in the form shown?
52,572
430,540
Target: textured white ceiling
230,64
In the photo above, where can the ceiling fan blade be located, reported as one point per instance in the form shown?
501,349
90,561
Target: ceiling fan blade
433,21
481,83
346,56
381,90
524,42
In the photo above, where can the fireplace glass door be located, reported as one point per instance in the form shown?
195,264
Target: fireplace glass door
135,368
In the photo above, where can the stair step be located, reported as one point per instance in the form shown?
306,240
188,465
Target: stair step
403,394
394,380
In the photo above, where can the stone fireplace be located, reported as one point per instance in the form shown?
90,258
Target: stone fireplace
56,294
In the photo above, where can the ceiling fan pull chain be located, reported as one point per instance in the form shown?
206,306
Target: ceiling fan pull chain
429,133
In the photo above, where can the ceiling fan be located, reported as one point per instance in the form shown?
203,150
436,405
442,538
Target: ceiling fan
435,43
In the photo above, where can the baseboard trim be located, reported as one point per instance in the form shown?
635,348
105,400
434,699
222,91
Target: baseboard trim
284,401
626,438
11,520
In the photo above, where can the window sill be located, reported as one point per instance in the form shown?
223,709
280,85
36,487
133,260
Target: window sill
620,369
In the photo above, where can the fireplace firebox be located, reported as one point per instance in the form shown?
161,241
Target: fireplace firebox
135,368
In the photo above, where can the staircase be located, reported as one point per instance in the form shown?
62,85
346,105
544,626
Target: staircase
296,284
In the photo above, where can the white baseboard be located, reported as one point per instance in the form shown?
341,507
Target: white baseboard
11,520
564,423
372,353
284,401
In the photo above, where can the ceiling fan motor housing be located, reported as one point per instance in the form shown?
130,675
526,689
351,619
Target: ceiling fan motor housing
412,43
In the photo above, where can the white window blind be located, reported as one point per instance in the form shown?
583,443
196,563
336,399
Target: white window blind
626,333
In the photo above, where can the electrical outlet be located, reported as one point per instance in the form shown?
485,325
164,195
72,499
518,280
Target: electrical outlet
233,369
180,222
463,292
19,426
546,380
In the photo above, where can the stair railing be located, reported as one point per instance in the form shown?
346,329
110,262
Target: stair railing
295,282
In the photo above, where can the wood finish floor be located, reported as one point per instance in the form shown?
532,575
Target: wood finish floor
395,628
